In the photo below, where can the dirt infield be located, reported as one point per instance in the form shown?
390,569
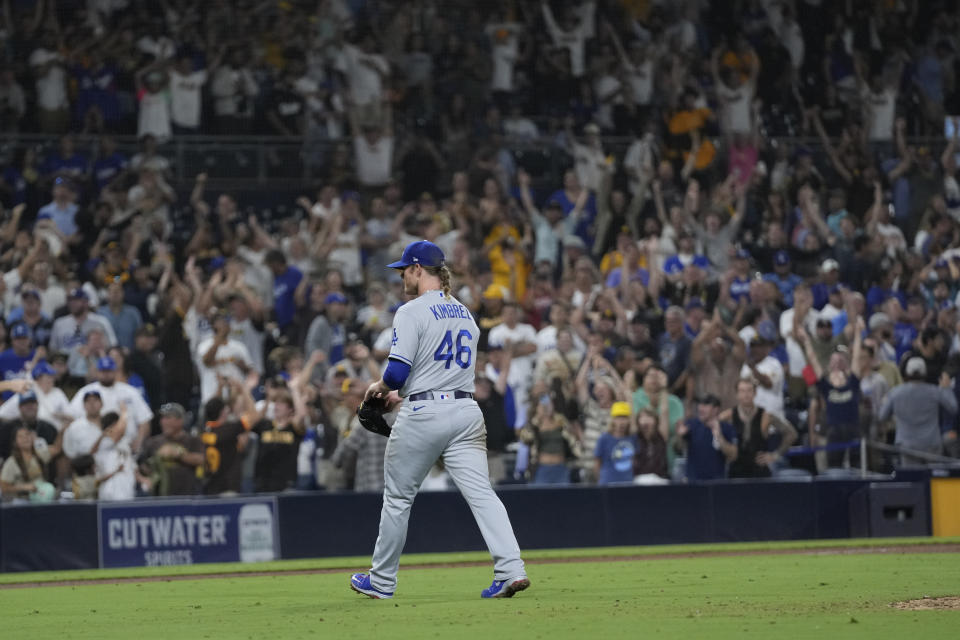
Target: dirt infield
929,604
822,551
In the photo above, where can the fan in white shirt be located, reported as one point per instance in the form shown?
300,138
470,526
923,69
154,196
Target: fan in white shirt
736,95
879,99
505,50
221,356
768,374
114,463
115,396
520,340
573,33
83,434
53,405
186,86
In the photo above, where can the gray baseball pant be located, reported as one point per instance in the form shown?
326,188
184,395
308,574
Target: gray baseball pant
453,429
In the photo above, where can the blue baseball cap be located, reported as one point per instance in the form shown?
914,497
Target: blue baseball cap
743,254
43,368
335,297
781,258
421,252
767,330
78,293
27,396
106,363
20,330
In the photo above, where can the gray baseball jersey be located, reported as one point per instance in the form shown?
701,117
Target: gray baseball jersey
437,336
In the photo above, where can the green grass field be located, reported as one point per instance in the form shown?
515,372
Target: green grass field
785,595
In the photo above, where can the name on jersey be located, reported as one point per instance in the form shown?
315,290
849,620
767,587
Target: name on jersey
450,310
167,531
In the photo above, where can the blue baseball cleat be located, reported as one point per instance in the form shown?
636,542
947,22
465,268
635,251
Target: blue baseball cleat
505,588
360,582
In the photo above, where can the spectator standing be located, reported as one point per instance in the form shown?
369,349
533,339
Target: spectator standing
915,407
328,331
373,147
736,87
716,357
367,449
276,468
113,463
571,32
286,279
186,86
82,434
551,441
53,407
651,458
708,443
69,331
13,104
234,89
246,325
153,95
505,52
226,438
124,318
49,69
146,361
766,371
839,387
62,211
783,277
489,396
616,448
220,355
17,361
754,428
673,348
114,395
880,99
286,109
170,459
366,72
520,339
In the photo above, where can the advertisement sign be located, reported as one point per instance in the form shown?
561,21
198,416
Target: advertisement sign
152,534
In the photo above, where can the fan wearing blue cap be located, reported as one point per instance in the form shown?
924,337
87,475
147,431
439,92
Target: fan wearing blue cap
740,283
30,313
62,211
328,331
13,360
54,406
25,415
782,276
117,395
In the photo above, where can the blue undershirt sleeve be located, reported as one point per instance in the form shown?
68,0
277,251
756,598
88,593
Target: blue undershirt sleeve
396,373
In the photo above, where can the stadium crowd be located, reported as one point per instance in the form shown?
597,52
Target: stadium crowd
694,304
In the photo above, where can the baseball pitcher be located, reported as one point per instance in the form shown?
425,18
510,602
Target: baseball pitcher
431,372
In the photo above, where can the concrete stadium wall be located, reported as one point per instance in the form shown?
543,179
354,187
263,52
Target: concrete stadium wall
66,536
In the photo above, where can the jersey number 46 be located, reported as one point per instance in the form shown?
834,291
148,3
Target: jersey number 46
445,351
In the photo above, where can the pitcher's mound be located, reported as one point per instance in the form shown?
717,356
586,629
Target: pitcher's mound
929,604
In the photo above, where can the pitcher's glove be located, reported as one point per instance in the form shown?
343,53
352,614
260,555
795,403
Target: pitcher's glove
370,413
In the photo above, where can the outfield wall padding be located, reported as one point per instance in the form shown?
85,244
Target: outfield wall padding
66,536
